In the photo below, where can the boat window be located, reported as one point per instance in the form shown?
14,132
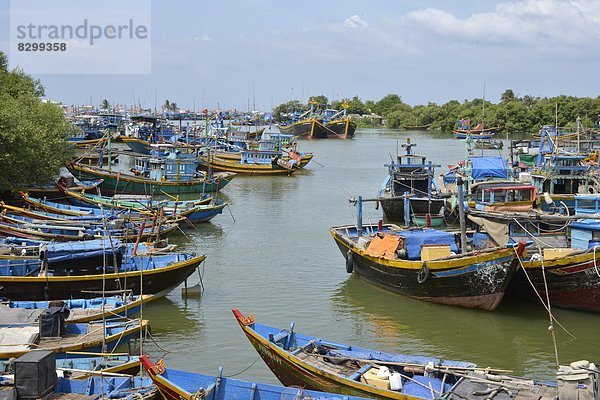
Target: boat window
500,196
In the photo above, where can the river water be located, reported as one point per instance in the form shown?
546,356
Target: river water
278,261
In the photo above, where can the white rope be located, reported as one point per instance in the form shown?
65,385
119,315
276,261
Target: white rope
595,265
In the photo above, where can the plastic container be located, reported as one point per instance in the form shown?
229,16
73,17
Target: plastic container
593,243
395,381
384,373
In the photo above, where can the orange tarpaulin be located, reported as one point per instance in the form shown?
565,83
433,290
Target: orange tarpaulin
383,246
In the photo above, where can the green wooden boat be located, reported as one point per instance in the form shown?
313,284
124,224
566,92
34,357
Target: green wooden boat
121,183
421,220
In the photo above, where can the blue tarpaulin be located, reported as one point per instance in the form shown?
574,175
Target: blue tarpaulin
414,238
489,167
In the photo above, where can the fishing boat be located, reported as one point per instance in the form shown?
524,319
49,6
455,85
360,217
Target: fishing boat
171,175
153,274
27,253
51,190
182,385
203,209
428,220
409,187
27,228
80,310
479,132
74,366
566,275
82,365
423,127
49,216
338,124
300,360
64,209
305,125
268,159
107,386
427,264
91,337
493,144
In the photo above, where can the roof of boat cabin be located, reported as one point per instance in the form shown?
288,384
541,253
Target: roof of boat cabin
501,185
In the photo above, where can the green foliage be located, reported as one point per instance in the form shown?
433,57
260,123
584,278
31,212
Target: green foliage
288,107
322,102
518,115
33,133
105,105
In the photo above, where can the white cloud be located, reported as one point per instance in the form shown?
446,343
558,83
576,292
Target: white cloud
203,38
525,22
355,22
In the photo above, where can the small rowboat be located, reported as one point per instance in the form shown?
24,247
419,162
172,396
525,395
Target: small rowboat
182,385
428,220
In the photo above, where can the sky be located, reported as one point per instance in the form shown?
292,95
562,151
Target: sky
260,53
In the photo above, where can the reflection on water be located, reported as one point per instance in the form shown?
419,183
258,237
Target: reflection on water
515,336
277,260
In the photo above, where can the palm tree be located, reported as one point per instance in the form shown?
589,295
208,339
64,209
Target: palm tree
167,105
174,107
105,105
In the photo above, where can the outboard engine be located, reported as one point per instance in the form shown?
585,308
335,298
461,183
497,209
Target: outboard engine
578,381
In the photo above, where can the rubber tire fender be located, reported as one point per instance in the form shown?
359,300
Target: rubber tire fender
349,262
423,273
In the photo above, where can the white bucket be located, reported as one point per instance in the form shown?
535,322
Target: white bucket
384,373
395,381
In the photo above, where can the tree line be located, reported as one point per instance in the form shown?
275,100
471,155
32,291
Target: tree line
514,114
33,133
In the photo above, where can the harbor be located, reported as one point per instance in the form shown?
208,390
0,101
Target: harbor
219,201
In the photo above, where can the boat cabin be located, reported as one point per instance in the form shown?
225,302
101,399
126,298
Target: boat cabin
502,196
587,204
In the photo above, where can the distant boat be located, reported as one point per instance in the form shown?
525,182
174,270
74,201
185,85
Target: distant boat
411,174
305,125
338,124
489,144
164,177
424,127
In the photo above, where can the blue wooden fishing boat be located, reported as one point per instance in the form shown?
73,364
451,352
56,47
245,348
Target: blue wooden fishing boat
182,385
63,209
90,337
410,188
314,363
161,274
74,366
80,310
24,227
103,387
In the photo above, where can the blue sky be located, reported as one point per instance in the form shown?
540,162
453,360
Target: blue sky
220,53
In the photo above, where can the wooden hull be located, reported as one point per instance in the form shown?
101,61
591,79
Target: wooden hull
137,145
111,341
463,134
154,281
421,220
393,208
293,372
236,167
343,128
126,184
475,281
573,281
307,129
